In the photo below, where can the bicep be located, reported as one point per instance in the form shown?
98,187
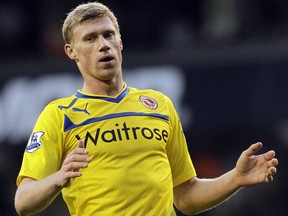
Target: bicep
24,186
26,180
183,191
21,192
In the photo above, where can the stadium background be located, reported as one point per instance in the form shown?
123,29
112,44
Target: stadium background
223,62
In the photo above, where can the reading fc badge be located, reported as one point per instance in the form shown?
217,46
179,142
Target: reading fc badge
34,142
148,102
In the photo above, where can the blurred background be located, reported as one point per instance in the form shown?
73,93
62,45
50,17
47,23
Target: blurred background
224,63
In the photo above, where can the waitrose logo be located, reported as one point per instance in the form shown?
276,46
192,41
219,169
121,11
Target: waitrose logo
124,133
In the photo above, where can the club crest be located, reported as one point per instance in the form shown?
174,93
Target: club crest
34,142
148,102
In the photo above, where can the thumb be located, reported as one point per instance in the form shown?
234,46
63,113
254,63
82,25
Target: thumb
254,148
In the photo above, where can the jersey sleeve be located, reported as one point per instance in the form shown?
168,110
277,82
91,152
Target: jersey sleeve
180,161
43,153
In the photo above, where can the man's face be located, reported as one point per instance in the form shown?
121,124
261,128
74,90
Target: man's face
96,47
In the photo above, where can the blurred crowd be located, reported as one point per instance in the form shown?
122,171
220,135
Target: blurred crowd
33,28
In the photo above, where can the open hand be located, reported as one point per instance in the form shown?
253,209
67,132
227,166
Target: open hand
254,169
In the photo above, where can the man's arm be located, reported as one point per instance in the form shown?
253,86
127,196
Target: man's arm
197,195
33,196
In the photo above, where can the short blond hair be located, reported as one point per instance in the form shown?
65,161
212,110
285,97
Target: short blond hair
82,13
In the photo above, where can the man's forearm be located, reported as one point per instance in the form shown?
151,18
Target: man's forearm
33,196
206,193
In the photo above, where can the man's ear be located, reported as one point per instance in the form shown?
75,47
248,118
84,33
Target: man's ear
121,44
70,52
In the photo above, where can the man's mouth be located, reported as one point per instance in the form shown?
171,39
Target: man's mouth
106,59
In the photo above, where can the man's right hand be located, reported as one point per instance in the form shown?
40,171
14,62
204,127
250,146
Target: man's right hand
77,159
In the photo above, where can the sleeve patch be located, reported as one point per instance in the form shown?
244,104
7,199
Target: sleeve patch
34,142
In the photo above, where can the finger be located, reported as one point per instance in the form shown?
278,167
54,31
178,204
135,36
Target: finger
270,155
273,162
269,178
80,149
272,170
74,166
77,155
81,144
73,174
77,158
253,148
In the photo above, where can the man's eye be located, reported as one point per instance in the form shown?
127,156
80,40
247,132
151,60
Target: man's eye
89,39
108,35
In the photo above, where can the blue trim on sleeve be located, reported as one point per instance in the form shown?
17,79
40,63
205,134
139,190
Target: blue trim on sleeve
69,125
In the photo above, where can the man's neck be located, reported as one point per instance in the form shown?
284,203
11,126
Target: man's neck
109,88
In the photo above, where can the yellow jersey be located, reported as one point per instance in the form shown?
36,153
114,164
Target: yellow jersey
136,144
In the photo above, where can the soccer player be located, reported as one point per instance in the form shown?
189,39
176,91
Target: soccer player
111,149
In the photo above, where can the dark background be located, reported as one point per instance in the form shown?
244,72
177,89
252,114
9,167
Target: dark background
235,59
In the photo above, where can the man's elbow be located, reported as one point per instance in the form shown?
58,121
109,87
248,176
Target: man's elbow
23,210
19,207
183,195
184,208
21,203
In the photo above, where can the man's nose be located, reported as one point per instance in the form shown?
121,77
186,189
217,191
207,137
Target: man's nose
103,44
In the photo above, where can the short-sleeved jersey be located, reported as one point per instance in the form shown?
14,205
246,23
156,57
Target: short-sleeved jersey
136,144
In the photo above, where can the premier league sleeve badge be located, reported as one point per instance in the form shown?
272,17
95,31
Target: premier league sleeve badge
34,142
